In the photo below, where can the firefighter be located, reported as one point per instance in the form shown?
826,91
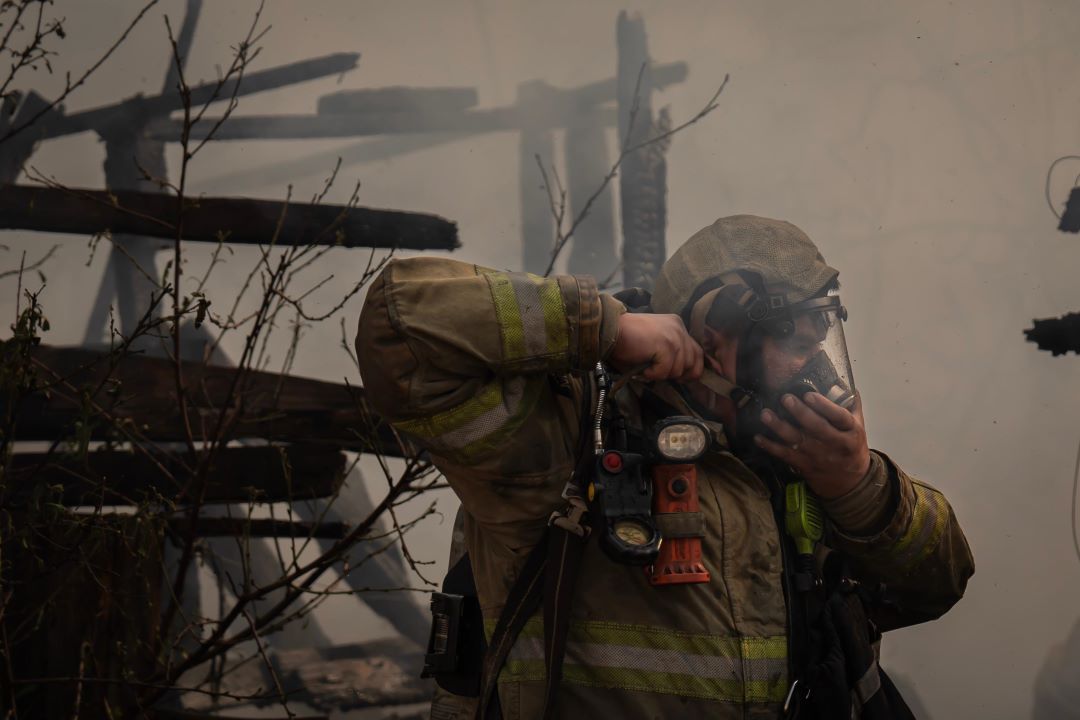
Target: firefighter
498,375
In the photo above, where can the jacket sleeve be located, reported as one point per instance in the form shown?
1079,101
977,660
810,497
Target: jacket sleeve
449,351
920,554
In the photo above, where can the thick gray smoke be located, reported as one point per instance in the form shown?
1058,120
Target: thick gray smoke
910,140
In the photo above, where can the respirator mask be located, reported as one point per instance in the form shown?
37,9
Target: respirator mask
784,348
795,350
804,351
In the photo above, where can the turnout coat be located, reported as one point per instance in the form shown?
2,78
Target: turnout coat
485,370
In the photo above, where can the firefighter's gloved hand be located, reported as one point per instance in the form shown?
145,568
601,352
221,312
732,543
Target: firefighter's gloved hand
661,341
826,444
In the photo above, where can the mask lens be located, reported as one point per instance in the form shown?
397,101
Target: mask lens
819,336
834,346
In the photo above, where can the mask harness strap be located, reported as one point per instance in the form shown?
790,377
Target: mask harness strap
743,298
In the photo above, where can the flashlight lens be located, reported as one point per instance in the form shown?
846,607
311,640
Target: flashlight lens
681,441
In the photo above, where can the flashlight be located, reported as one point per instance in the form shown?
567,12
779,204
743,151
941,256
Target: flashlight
679,442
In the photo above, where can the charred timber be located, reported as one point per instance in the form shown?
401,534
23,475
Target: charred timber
300,127
1070,219
242,221
235,475
395,99
135,394
607,90
120,114
1058,335
389,99
643,174
393,111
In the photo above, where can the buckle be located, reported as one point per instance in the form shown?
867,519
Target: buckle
570,519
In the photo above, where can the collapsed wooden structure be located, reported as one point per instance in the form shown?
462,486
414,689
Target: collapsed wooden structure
303,428
295,431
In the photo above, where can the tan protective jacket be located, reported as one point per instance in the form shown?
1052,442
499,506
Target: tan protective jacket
476,365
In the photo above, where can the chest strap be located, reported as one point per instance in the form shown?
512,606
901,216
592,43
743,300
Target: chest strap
548,577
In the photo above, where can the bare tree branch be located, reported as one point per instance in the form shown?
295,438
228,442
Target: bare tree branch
562,237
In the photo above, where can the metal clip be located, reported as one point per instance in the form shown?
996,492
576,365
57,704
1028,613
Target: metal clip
570,519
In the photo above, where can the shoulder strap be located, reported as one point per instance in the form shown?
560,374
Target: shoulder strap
566,544
548,576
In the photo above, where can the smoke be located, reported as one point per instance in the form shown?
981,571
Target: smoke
910,140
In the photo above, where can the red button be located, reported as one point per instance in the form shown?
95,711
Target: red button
612,462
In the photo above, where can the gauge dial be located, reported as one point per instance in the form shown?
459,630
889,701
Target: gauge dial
632,533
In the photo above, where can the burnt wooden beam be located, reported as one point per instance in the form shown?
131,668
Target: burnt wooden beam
236,220
643,173
183,46
607,90
302,127
454,98
398,98
139,392
98,119
401,110
237,475
18,109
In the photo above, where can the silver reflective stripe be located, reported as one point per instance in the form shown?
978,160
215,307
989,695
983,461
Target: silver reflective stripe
604,654
483,425
531,310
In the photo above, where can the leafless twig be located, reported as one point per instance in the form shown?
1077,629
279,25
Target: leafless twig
69,86
562,237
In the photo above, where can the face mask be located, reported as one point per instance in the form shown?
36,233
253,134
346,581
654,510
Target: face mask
799,351
796,348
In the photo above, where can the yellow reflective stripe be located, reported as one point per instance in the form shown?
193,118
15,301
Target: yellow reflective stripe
666,683
929,516
531,315
650,659
506,310
481,423
551,301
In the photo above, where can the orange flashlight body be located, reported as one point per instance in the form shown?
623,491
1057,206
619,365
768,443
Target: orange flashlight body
675,498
